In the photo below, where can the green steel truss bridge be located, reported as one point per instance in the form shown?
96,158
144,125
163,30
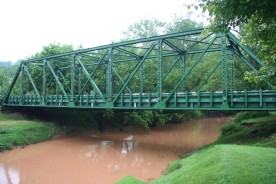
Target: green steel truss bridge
150,73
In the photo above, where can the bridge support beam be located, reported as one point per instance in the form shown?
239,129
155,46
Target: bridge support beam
159,70
142,79
224,72
109,79
22,86
73,66
79,80
44,85
183,70
233,71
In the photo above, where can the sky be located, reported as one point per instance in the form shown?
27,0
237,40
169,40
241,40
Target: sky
28,25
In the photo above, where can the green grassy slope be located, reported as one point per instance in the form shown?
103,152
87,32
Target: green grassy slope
16,130
129,180
221,164
224,164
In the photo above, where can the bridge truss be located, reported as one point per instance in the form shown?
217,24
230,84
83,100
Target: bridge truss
150,73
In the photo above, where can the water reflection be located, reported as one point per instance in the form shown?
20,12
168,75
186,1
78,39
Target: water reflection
91,151
127,145
9,175
97,150
105,143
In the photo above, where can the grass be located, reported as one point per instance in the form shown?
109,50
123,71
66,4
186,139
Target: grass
224,164
244,153
221,164
129,180
16,130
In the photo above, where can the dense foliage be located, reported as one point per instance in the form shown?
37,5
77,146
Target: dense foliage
255,21
6,74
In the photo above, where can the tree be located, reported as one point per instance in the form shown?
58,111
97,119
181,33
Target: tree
48,50
227,14
181,24
4,81
144,28
52,49
255,21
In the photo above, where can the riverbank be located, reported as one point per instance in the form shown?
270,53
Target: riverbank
17,130
244,153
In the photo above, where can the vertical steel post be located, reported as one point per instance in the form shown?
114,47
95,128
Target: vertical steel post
73,77
44,81
233,71
56,88
79,81
109,76
22,85
141,78
182,57
159,69
224,71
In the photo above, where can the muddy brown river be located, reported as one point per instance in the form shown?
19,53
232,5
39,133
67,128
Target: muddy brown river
104,158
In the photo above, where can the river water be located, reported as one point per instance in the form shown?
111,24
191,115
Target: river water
104,158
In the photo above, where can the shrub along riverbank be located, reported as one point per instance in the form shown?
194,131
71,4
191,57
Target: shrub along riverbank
81,120
244,153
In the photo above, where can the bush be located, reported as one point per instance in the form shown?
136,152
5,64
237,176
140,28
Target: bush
190,115
235,124
142,118
173,166
252,114
231,128
184,116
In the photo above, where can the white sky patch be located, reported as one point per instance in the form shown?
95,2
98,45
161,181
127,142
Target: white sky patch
28,25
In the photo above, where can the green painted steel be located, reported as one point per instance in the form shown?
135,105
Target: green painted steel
213,100
136,74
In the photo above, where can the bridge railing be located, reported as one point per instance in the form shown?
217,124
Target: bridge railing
212,100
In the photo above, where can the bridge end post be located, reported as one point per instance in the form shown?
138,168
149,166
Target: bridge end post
109,105
160,105
224,105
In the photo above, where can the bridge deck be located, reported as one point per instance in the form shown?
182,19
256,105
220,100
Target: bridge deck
236,100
